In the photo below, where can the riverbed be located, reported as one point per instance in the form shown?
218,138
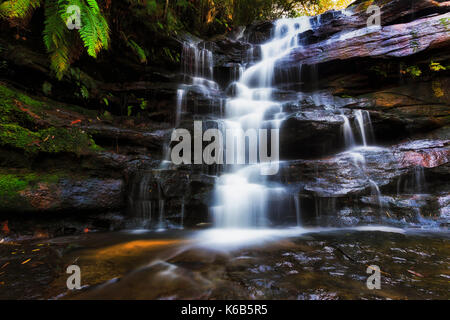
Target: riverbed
290,263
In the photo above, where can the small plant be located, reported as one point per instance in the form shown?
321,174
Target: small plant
84,92
414,71
138,50
445,22
143,104
414,43
436,66
61,43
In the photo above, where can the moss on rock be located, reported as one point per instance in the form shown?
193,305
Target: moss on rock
19,127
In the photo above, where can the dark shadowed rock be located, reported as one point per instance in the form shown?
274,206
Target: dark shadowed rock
80,195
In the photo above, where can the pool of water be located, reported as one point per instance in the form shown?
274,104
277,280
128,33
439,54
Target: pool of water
292,263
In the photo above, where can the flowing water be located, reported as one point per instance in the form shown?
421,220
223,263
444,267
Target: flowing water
244,256
242,194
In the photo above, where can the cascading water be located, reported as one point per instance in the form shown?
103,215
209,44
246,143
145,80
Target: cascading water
365,130
242,194
148,210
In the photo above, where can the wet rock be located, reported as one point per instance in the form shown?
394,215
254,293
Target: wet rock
390,41
154,140
310,134
258,32
372,181
81,195
175,194
424,153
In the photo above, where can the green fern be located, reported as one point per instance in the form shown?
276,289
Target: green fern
56,37
18,9
94,28
60,42
138,51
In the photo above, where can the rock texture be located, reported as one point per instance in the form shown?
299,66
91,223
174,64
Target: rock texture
83,195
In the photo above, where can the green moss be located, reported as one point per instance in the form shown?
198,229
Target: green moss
51,140
18,137
66,140
9,108
15,124
13,182
10,185
9,96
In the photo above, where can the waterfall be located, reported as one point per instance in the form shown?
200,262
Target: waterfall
349,138
140,203
161,223
180,105
182,214
197,62
376,194
197,65
360,120
364,124
419,174
242,193
297,209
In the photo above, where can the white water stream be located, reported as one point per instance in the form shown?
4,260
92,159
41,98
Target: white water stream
242,194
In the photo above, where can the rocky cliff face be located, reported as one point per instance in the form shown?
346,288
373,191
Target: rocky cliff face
397,76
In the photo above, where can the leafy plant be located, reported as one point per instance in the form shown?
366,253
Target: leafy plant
129,110
436,66
414,43
445,22
84,92
138,51
61,42
414,71
18,9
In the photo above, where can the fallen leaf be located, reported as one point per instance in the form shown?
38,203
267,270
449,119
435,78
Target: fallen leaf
5,227
415,273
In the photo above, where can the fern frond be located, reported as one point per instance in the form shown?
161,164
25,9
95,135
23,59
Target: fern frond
94,30
56,36
59,40
138,51
18,9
